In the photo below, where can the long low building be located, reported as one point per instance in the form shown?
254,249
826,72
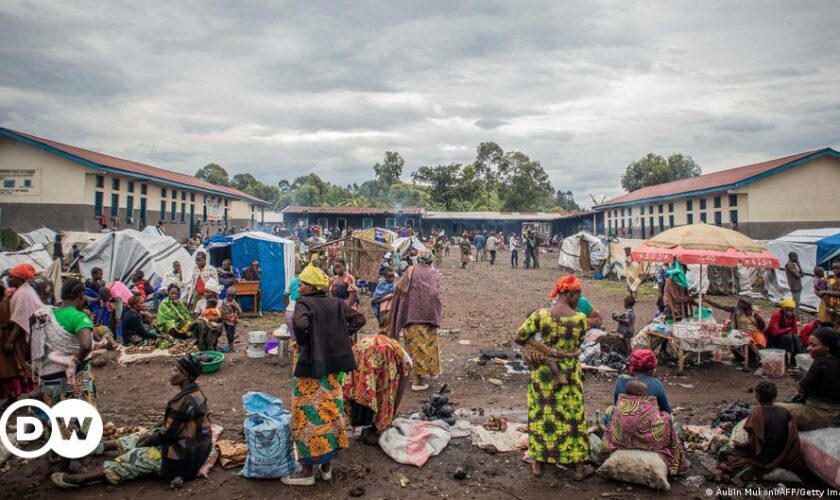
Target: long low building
450,222
764,200
66,188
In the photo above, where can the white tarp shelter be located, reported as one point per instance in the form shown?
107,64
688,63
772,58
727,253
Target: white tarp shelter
580,248
44,236
121,253
403,244
80,238
37,255
815,247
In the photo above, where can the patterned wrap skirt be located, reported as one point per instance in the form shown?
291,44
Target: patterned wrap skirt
133,461
421,342
318,418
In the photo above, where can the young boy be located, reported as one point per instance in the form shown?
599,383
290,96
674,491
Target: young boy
230,317
626,322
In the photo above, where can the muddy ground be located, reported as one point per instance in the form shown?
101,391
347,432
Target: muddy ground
485,305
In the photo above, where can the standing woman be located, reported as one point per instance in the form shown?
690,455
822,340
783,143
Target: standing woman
556,416
418,312
202,274
323,326
15,374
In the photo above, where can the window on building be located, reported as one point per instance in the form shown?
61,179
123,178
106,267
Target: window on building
689,219
733,200
661,208
226,202
661,223
643,229
651,224
8,183
671,207
115,205
703,217
130,186
717,201
144,189
143,211
718,218
642,210
390,222
27,183
622,212
703,204
174,194
341,223
129,206
192,197
183,196
183,213
733,216
689,205
115,184
163,192
323,222
630,211
162,209
173,211
367,223
670,221
252,208
100,181
97,204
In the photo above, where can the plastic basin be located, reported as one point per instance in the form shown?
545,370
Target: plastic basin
212,366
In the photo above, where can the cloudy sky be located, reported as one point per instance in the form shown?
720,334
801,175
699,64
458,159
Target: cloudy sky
281,89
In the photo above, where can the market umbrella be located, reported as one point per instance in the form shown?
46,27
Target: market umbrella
705,245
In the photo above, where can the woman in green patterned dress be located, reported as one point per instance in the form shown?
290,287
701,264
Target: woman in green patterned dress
556,417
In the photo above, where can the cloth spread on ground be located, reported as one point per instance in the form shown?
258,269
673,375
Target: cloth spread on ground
232,454
413,442
514,438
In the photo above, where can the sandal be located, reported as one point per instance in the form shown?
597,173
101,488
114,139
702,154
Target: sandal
420,387
588,471
58,479
326,471
298,480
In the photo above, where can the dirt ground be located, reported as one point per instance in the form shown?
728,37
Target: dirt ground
484,305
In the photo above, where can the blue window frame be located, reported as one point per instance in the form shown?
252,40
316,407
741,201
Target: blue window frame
689,218
183,213
97,203
718,218
100,181
733,200
162,209
173,211
129,206
703,217
661,223
689,205
115,205
733,216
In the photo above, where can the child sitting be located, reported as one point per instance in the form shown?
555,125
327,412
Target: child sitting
626,322
208,327
211,311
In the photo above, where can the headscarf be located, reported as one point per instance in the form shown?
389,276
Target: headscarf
425,257
565,284
190,366
642,360
23,271
788,303
677,274
315,277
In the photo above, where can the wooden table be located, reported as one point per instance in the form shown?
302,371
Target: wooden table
249,289
677,344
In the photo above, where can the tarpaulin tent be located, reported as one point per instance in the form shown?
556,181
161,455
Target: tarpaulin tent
582,252
37,255
275,255
815,247
376,234
80,238
403,244
44,236
121,253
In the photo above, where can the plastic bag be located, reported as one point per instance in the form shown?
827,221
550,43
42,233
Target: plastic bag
268,434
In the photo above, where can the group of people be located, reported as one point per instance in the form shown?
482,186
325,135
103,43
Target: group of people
487,245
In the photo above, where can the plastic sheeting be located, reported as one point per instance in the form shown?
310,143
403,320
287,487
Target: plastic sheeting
814,247
570,252
37,255
121,253
44,236
403,244
80,238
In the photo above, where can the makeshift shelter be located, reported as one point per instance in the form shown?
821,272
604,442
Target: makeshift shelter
377,234
405,243
44,236
582,252
275,255
363,256
80,238
815,247
121,253
38,255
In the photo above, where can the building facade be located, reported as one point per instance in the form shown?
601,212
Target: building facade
763,200
44,183
351,217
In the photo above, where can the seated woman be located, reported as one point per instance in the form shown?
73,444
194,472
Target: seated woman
773,441
178,448
783,330
818,404
641,367
639,424
133,329
745,318
173,318
373,391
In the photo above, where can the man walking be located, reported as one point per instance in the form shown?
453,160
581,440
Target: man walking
466,250
479,246
793,272
492,245
514,250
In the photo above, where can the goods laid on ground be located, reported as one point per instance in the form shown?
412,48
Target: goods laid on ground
773,362
638,467
111,432
438,407
732,414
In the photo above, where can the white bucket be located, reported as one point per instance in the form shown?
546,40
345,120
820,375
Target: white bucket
258,337
256,350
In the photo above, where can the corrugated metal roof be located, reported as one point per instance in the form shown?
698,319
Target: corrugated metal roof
725,179
293,209
513,216
128,167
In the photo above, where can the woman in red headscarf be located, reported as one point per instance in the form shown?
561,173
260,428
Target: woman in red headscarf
556,416
19,303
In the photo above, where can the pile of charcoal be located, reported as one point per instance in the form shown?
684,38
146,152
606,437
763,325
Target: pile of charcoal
732,414
438,407
610,359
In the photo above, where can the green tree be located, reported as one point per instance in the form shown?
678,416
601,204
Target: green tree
653,169
284,186
390,170
443,183
243,181
307,195
566,201
402,195
214,174
524,184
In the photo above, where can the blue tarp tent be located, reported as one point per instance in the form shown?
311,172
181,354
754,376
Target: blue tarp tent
275,255
815,247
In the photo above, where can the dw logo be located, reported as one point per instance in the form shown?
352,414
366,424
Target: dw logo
67,419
